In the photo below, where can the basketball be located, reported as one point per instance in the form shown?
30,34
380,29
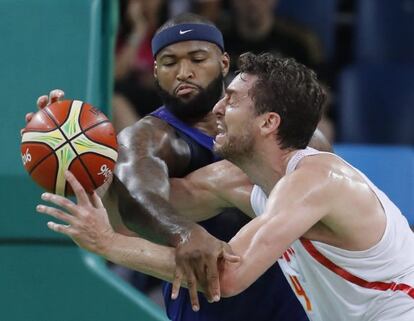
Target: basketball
69,135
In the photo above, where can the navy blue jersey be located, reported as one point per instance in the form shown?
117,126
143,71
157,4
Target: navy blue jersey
270,298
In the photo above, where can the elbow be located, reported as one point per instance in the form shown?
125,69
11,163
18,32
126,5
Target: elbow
230,284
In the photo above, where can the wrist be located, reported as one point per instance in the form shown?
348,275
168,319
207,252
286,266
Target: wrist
104,247
184,234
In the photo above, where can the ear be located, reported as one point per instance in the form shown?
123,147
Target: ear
225,64
269,123
154,70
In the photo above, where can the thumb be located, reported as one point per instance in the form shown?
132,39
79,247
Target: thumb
231,258
228,254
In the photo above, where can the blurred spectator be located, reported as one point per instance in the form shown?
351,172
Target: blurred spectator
135,94
207,8
255,28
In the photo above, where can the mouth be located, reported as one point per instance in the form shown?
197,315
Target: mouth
185,90
221,133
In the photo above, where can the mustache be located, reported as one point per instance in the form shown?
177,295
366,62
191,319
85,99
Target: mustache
199,105
189,83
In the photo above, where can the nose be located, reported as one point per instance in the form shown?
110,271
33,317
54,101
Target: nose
184,71
219,108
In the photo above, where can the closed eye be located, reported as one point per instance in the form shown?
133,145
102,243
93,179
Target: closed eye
198,60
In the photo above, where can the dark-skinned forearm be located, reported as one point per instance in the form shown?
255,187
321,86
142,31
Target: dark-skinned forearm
143,192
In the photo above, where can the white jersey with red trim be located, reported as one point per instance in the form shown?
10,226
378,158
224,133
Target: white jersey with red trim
334,284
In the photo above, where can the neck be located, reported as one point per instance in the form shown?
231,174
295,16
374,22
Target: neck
207,125
266,169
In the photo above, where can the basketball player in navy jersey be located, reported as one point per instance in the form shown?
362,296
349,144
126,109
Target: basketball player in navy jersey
190,63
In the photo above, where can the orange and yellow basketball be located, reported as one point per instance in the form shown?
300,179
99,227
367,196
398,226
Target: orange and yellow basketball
69,135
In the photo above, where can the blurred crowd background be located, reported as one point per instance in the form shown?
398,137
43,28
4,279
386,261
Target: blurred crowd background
363,51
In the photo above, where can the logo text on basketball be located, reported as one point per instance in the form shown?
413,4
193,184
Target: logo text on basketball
26,157
105,171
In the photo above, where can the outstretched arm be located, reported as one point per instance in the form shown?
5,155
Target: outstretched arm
210,189
88,225
296,204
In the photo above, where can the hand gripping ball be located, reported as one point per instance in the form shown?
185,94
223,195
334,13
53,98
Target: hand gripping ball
69,135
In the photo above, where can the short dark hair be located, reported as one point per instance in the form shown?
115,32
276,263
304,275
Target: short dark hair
290,89
186,17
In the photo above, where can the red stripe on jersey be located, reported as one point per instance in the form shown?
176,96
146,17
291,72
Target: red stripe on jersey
382,286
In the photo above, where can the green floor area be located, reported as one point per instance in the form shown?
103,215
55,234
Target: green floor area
60,282
48,44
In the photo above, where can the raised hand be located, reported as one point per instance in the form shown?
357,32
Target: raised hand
87,222
43,101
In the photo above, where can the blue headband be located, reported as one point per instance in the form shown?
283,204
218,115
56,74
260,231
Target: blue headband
186,32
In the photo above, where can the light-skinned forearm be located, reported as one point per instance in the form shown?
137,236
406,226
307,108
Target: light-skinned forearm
159,261
141,255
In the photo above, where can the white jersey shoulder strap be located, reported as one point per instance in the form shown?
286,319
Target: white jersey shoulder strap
296,158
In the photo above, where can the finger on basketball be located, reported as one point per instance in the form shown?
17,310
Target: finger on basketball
77,188
28,117
42,101
55,95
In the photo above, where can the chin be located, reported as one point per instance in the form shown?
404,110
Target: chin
218,145
221,151
217,148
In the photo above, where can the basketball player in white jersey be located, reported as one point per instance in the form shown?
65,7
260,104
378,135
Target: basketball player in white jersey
344,247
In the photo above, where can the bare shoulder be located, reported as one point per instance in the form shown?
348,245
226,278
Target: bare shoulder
331,166
147,130
153,137
311,181
354,215
329,179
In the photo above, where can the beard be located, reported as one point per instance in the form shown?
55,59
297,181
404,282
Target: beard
237,148
198,106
